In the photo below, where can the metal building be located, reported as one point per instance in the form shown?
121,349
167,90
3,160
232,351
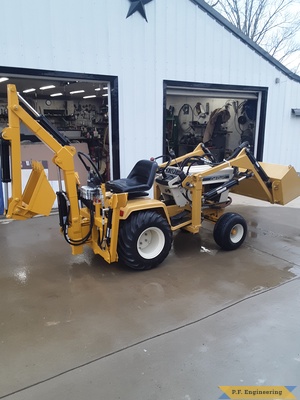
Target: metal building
130,79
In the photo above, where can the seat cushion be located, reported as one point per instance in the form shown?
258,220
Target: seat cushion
126,185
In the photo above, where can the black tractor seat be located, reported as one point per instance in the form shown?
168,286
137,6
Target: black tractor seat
138,182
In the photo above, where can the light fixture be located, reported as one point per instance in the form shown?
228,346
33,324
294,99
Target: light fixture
89,97
29,90
77,91
47,87
104,95
3,79
105,87
97,89
296,112
56,94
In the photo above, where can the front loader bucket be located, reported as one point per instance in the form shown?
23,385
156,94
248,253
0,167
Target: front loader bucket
285,184
38,196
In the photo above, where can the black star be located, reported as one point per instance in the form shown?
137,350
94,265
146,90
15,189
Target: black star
138,6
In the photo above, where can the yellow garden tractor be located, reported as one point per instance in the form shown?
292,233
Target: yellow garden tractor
118,219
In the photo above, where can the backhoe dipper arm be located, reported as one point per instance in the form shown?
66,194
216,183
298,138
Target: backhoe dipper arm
38,196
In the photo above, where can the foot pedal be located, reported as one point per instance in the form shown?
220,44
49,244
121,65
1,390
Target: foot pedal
180,218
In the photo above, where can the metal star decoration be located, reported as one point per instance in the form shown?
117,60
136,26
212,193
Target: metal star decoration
138,6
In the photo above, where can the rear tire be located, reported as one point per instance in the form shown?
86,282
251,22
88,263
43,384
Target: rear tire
145,240
230,231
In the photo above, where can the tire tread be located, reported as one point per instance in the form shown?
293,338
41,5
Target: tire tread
129,232
223,228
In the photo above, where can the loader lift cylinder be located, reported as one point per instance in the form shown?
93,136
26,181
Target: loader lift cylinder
215,192
259,169
253,161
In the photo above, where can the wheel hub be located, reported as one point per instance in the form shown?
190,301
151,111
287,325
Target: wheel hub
150,243
145,239
236,233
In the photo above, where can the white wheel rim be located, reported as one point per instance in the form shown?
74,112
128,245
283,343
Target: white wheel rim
151,243
236,233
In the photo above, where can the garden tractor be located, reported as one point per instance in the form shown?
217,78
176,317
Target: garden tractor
118,219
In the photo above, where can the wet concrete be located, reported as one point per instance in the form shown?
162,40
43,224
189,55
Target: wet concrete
76,327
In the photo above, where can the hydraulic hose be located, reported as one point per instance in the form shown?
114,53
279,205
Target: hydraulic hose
80,242
64,213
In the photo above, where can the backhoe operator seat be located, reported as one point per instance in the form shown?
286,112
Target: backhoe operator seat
138,182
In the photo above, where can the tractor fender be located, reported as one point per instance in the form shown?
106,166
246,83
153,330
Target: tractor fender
142,204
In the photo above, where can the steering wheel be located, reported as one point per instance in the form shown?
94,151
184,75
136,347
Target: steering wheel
237,150
162,170
208,153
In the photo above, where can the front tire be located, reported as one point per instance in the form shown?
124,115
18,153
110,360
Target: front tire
230,231
145,240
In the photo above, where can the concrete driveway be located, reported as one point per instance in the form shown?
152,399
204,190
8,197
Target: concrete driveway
74,327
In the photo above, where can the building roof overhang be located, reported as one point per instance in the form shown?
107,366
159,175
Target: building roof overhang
244,38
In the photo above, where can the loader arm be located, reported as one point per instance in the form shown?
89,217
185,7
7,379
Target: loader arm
274,183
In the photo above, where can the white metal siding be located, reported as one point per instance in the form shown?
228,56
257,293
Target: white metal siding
179,42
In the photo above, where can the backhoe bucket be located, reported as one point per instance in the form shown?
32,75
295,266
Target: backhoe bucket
38,196
285,185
